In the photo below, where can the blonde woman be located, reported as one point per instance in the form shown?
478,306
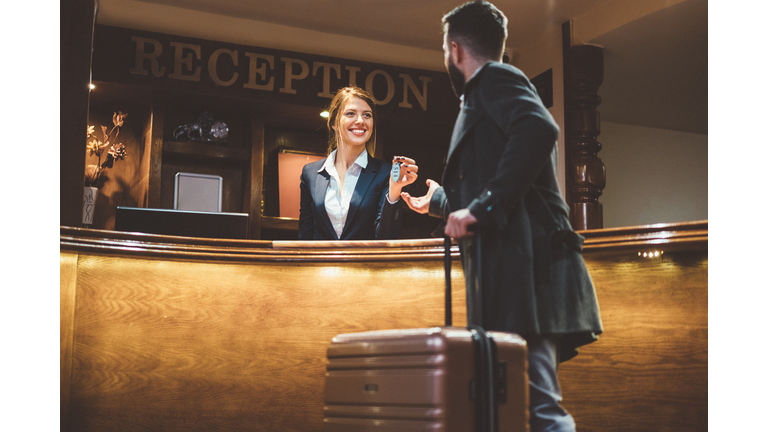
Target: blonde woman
350,195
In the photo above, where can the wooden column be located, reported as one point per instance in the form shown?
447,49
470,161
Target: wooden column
252,205
585,172
156,154
76,20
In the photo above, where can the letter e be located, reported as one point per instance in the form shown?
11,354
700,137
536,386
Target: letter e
180,60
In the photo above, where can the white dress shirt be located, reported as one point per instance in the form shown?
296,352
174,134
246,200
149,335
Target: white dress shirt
336,200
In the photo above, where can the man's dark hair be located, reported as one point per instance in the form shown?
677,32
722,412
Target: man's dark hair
480,26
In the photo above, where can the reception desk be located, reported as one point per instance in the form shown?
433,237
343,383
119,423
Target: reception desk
186,334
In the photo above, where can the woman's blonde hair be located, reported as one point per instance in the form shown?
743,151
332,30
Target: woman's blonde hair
334,119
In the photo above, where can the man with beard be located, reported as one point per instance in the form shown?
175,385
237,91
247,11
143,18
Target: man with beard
500,199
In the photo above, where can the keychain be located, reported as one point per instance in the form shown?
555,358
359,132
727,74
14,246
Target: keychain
396,171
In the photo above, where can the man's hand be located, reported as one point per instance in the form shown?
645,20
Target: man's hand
459,224
421,204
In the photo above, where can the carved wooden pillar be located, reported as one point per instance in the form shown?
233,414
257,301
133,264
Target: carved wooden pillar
585,172
77,19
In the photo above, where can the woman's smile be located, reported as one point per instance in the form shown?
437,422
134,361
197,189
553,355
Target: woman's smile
357,120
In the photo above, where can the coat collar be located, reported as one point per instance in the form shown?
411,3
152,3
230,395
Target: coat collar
473,80
321,186
468,116
330,161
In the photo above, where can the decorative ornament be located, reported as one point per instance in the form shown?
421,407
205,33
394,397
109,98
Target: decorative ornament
204,130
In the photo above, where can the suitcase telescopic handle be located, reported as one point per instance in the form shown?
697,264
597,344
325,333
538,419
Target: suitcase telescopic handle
487,414
447,258
478,292
477,300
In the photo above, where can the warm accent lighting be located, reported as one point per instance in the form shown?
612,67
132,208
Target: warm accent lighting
654,254
324,114
91,86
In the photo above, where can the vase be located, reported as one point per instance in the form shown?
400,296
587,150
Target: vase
89,205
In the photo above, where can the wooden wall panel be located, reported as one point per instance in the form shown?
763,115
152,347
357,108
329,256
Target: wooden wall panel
172,345
67,288
648,371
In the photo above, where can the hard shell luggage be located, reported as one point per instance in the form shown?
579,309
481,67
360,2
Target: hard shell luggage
429,379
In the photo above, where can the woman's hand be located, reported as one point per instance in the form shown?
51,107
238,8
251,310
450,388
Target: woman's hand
421,204
408,174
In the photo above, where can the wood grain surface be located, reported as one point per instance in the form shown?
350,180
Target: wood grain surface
172,333
67,288
209,346
648,371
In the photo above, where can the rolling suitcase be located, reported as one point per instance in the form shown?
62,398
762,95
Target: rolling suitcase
429,379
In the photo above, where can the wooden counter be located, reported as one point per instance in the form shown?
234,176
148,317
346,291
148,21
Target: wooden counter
175,333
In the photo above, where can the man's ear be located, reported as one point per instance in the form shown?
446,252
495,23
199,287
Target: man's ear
457,50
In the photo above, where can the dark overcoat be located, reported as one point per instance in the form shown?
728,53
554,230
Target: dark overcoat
370,215
501,165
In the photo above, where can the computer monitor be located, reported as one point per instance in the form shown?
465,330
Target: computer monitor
182,222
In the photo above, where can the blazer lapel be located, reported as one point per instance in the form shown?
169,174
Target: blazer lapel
363,182
467,118
322,181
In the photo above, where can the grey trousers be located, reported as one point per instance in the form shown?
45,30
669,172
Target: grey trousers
546,414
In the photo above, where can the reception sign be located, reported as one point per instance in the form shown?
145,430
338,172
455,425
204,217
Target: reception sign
188,64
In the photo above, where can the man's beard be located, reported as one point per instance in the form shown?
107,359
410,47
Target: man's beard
457,78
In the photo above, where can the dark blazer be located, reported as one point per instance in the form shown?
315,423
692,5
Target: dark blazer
501,165
370,215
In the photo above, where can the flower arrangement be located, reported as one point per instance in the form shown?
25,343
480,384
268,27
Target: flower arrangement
93,173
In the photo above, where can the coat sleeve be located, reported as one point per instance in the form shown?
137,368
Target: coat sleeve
529,134
306,218
438,205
